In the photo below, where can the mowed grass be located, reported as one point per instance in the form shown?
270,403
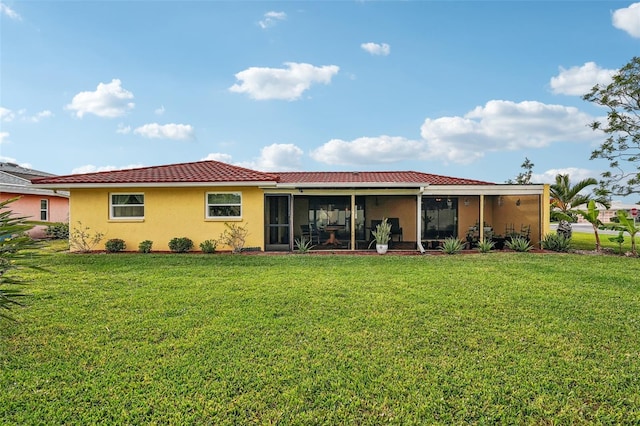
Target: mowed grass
508,338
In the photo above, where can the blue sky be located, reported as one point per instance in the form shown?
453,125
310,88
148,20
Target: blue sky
465,89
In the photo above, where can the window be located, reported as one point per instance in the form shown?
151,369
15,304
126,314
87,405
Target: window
224,205
127,206
44,209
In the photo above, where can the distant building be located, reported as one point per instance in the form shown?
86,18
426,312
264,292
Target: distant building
605,216
38,204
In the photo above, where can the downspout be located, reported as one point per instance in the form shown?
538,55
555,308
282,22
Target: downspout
419,219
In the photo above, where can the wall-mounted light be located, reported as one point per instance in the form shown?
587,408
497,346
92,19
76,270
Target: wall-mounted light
500,200
518,202
449,202
466,201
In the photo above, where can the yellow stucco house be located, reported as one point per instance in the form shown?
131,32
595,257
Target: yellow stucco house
195,200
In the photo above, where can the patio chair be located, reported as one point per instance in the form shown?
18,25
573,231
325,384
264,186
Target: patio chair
311,233
396,230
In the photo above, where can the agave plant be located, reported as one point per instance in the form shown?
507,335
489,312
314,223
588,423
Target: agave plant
519,244
452,246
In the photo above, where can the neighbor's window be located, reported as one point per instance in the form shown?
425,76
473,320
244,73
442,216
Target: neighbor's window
44,209
224,204
127,206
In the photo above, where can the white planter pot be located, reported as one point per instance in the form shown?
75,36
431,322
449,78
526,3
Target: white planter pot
382,248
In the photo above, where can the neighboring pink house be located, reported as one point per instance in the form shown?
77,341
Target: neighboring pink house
39,205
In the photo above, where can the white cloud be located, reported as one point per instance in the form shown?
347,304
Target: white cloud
4,137
281,83
109,100
578,81
504,126
7,11
90,168
628,19
40,115
576,175
277,157
271,19
376,49
159,111
218,156
6,114
123,130
368,150
166,131
496,126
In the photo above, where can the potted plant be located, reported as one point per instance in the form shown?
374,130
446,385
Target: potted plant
381,235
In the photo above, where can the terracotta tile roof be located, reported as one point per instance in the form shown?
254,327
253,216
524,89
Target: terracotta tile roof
374,178
218,172
196,172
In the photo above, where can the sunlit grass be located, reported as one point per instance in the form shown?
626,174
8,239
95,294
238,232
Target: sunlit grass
501,338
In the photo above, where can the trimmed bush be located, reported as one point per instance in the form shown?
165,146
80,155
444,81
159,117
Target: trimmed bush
145,246
208,246
57,231
180,244
114,245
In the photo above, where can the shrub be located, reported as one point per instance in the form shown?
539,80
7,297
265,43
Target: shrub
208,246
556,242
451,246
303,245
180,244
115,245
83,239
145,246
619,239
486,245
57,231
520,244
234,236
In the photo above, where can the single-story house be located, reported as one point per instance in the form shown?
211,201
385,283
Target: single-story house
196,199
609,215
37,204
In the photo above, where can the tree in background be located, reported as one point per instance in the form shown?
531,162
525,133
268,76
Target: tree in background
622,128
524,178
14,245
565,198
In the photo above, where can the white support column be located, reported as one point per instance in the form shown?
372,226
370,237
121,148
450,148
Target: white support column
352,226
419,222
481,219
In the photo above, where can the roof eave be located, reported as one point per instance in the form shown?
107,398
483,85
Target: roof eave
87,185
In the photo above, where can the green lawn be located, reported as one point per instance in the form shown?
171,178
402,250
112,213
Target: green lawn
507,338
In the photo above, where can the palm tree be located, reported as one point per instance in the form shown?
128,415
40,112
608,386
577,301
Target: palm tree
565,197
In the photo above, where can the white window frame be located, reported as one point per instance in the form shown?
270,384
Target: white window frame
208,205
44,210
113,206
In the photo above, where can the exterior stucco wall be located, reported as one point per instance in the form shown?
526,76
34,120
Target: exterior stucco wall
169,213
28,205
